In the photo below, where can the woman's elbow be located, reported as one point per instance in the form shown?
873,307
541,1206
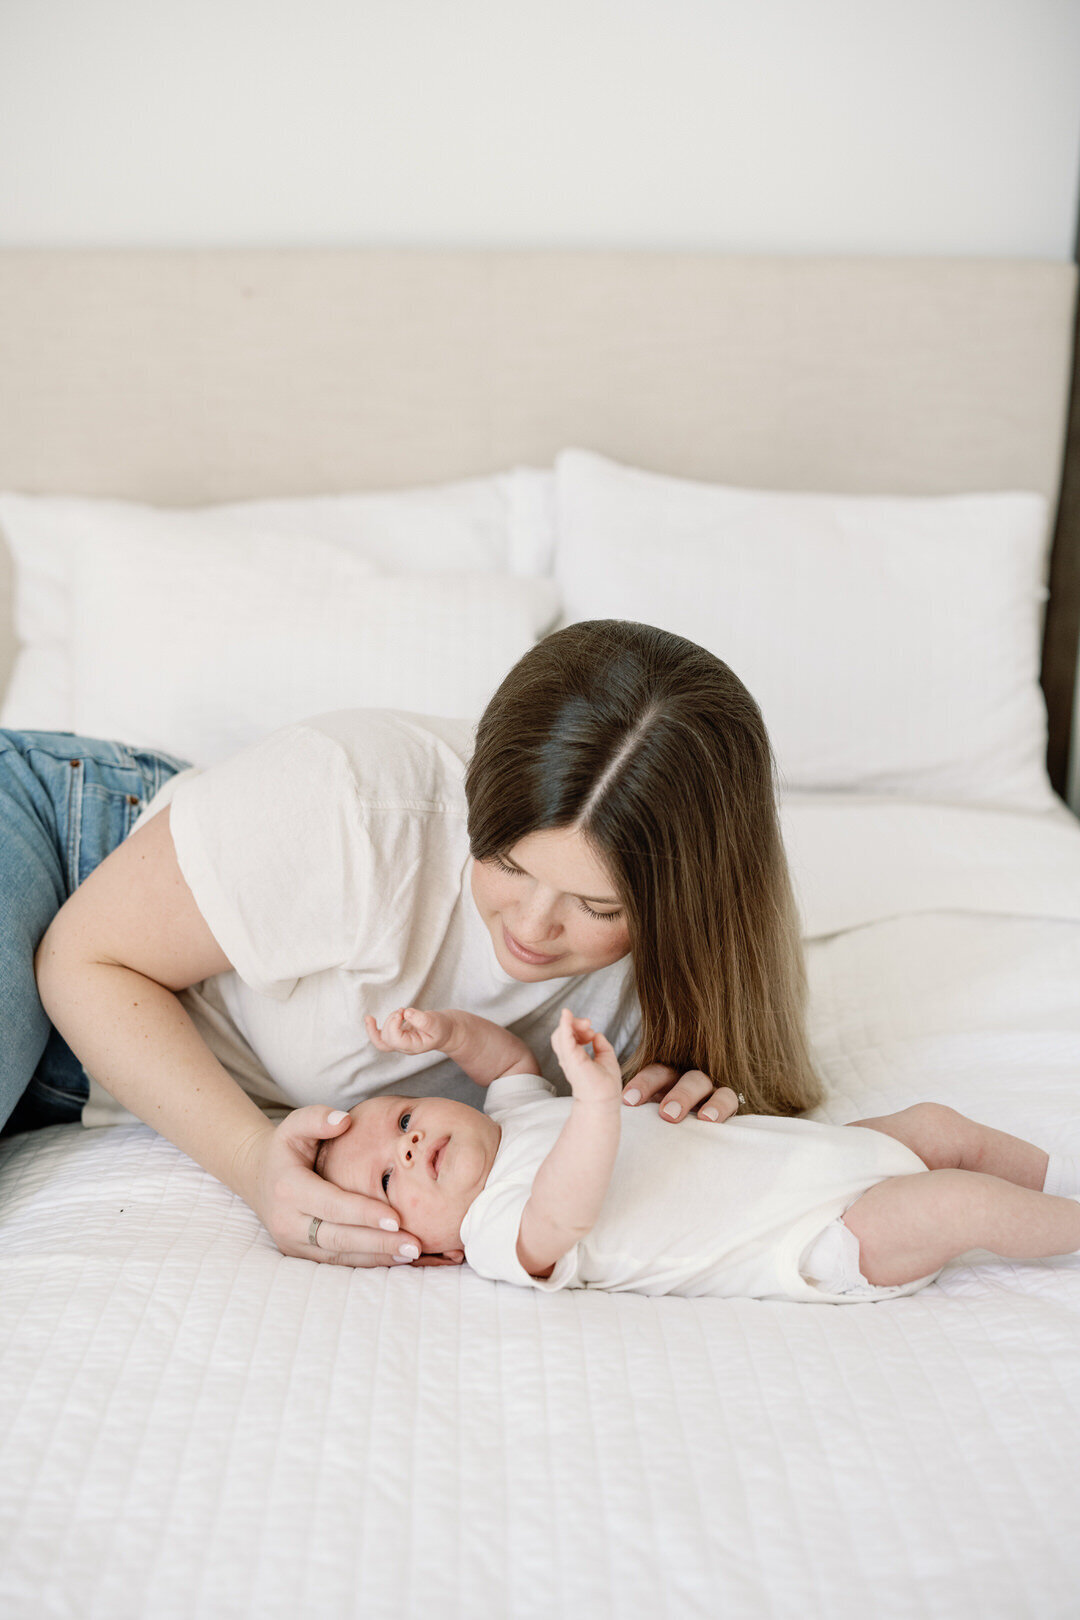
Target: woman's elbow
54,960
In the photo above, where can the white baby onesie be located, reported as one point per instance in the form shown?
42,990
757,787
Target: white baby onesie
695,1208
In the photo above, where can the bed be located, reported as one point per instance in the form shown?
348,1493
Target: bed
194,1425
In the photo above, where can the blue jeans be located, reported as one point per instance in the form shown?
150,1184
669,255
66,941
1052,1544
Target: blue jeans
65,803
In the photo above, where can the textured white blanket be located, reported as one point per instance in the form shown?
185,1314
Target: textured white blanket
193,1425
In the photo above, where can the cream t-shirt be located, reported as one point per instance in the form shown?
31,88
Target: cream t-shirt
331,863
697,1209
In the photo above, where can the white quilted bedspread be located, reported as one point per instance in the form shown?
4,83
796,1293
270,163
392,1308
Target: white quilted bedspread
194,1425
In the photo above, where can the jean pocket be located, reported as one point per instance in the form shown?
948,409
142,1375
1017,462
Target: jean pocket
99,819
154,767
105,799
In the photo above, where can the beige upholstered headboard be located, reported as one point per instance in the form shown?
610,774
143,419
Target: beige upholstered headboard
184,377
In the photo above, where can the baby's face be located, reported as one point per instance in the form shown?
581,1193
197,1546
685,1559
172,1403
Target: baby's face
427,1157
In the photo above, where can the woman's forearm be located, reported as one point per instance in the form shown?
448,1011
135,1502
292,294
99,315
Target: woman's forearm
571,1184
135,1038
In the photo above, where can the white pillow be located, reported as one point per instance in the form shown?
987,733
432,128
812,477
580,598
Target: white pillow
502,523
892,642
202,644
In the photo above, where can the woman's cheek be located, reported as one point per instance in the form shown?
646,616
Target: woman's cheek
611,946
496,895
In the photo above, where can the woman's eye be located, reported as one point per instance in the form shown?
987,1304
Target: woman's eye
597,916
600,916
385,1180
404,1121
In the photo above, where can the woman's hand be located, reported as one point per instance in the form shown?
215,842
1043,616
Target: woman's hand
285,1193
657,1082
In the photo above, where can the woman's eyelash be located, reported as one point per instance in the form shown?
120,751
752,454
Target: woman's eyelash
600,916
384,1183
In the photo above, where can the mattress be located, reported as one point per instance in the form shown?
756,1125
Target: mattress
194,1425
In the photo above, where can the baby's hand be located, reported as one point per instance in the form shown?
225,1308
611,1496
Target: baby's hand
593,1079
409,1030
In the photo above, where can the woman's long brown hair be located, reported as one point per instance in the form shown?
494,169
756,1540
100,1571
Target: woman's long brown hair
655,750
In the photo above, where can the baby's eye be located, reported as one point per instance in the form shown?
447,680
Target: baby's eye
385,1180
404,1121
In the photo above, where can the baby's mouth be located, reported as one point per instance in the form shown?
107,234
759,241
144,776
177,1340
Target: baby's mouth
436,1157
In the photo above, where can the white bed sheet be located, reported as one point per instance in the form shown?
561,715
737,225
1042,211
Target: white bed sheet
194,1425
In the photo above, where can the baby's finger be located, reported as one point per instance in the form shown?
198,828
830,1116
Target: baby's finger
405,1031
375,1034
563,1031
568,1048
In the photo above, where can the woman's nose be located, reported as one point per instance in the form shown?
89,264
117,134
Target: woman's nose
535,924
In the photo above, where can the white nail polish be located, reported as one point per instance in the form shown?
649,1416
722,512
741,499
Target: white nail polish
672,1110
632,1096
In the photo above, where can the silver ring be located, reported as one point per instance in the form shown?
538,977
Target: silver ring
313,1231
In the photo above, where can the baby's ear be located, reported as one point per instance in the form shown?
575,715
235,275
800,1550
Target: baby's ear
456,1255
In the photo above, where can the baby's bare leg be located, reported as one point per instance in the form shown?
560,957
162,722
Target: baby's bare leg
946,1140
908,1226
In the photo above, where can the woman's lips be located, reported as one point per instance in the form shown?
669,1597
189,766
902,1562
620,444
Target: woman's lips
517,949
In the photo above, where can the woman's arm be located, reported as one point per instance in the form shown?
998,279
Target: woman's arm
573,1180
108,969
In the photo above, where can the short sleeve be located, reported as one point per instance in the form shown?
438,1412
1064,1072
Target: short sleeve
490,1233
275,849
510,1091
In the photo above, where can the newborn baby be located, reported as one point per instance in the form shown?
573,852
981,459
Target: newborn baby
553,1192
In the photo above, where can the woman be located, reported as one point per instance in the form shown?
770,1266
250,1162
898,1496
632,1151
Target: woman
610,839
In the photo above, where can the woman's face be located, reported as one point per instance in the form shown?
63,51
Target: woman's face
554,911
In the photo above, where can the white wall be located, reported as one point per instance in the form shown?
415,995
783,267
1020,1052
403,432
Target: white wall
910,126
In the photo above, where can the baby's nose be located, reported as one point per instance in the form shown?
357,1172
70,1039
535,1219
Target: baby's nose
413,1140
